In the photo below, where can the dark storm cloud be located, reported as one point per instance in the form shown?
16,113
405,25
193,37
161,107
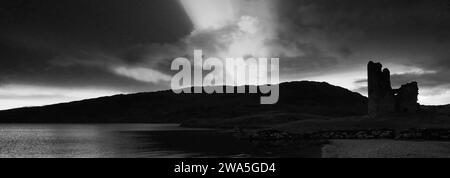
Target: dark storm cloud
348,23
74,43
372,18
414,33
104,23
30,67
425,80
312,59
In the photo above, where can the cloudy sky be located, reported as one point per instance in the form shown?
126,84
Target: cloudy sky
55,51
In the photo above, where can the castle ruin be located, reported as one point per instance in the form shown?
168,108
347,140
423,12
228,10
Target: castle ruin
383,99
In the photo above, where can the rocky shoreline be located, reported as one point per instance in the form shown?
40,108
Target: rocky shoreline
408,134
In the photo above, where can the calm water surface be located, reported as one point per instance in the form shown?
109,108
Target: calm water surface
117,140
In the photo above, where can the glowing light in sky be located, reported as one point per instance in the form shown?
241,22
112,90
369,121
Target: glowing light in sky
15,95
207,14
243,33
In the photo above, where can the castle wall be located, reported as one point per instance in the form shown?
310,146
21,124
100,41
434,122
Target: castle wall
406,98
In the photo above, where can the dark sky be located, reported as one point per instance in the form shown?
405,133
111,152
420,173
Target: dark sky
62,50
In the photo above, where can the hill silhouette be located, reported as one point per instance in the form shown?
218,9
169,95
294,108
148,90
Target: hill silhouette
296,99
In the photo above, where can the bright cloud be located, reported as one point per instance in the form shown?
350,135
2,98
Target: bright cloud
142,74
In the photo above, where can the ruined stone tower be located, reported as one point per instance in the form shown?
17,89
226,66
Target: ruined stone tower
383,99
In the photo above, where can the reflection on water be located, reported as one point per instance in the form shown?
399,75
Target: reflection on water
117,140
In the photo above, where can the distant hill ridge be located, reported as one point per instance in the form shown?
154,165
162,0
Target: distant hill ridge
305,97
